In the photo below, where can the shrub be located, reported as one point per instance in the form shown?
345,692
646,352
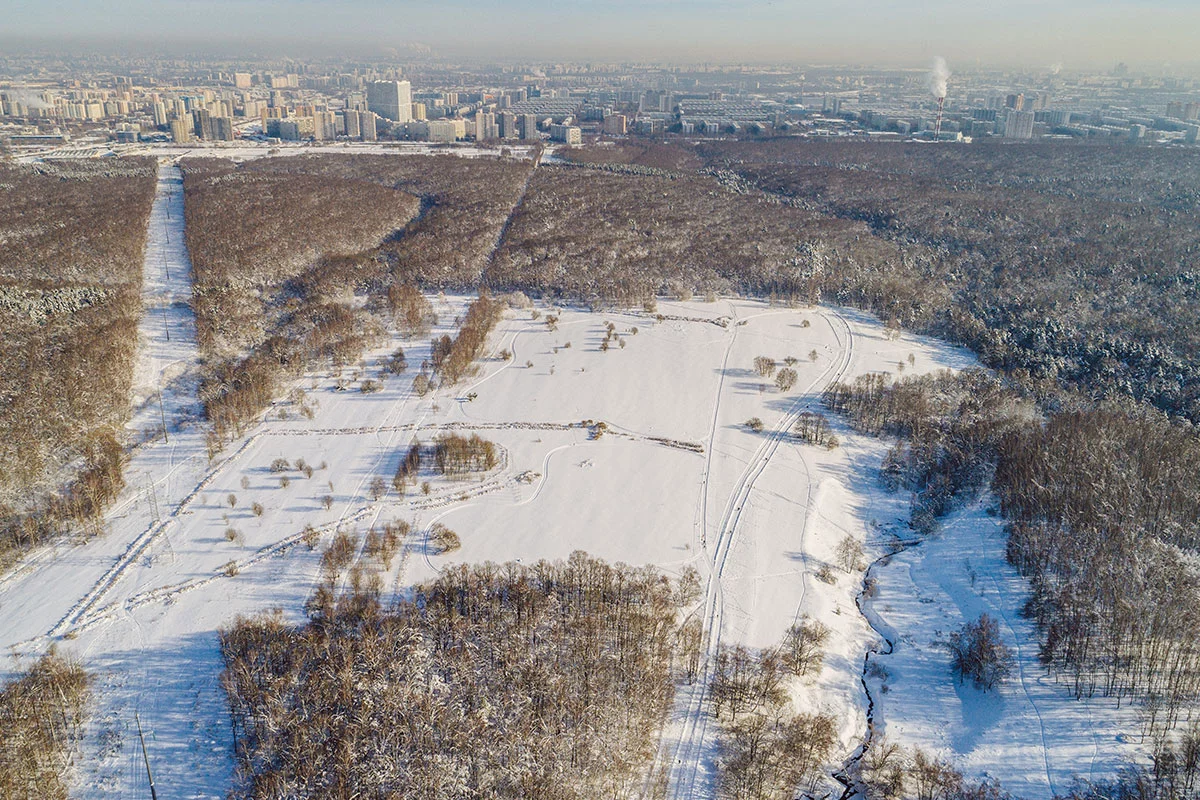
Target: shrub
280,465
310,537
396,362
257,509
377,488
755,424
421,385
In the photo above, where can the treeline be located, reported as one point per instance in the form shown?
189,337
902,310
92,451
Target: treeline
1102,507
41,713
1061,263
548,680
70,300
277,260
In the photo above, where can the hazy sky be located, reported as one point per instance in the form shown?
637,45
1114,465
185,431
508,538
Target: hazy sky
1033,32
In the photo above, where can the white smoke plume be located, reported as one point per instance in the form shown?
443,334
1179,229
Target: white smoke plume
28,98
938,77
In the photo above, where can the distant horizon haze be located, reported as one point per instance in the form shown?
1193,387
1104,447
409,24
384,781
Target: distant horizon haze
1010,33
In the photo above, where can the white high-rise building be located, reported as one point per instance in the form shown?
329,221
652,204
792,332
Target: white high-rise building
485,126
391,100
1019,125
367,125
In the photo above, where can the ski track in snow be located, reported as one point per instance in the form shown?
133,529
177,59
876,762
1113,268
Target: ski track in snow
688,757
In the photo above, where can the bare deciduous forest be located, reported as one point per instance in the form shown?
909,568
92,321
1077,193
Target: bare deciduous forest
40,717
548,680
259,239
1073,264
277,260
465,204
70,282
625,237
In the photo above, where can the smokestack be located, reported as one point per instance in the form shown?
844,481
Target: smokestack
939,76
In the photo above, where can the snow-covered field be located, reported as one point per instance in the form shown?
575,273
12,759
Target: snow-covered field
675,479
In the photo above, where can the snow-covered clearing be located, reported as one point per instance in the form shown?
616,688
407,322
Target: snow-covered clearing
1029,733
676,478
167,356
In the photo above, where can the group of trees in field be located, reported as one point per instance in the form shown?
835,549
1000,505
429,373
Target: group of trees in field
767,750
887,771
548,680
1104,520
411,311
453,359
978,653
455,455
41,714
813,428
70,301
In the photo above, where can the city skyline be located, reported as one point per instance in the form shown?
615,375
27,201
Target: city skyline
889,32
